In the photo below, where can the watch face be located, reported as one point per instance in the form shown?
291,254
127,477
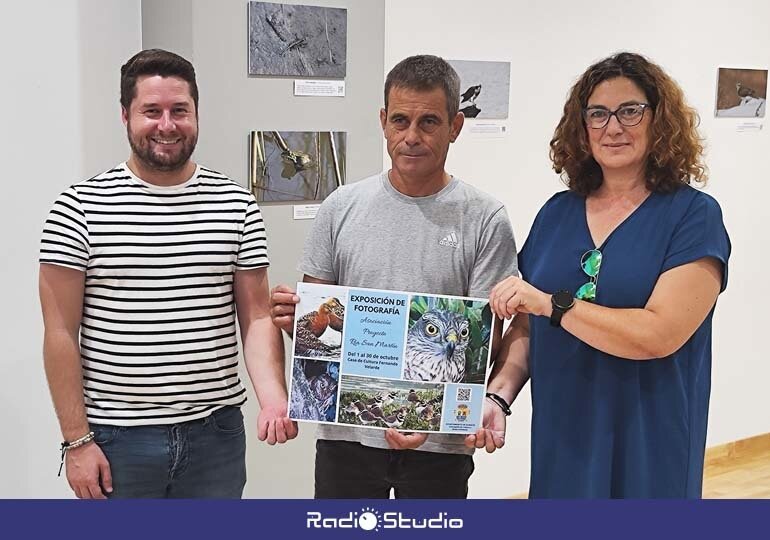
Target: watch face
563,299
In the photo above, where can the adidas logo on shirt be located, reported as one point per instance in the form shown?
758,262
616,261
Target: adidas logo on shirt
450,240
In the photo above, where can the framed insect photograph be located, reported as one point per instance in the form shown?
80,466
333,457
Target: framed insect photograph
289,40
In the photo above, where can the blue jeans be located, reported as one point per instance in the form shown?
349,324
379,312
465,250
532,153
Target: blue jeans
200,458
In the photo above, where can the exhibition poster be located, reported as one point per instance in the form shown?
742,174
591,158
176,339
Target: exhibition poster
382,359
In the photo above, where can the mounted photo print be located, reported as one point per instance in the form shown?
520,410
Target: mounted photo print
484,88
741,93
296,165
289,40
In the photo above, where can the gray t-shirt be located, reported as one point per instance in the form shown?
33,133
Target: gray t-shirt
457,242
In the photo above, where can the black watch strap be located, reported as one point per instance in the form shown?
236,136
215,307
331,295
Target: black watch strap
561,303
556,315
500,403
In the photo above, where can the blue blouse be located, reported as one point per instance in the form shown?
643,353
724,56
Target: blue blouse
603,426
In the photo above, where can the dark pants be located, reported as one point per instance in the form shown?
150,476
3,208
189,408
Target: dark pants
196,459
349,470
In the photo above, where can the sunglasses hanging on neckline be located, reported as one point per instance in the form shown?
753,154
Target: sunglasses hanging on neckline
591,263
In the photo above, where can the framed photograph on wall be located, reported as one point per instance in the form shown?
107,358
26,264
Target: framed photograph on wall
296,166
297,41
741,93
484,88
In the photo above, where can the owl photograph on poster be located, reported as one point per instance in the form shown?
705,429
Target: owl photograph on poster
314,390
447,340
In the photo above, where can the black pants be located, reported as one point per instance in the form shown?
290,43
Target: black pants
349,470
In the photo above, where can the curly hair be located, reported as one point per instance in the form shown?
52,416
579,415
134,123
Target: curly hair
675,148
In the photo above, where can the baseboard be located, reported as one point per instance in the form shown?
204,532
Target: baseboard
742,449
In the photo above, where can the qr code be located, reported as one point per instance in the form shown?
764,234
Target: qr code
463,394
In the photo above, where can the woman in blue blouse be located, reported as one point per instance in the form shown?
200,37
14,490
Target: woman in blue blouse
620,276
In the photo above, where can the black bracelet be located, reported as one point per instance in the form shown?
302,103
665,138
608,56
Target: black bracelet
500,403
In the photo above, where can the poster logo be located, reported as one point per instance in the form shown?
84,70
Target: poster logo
462,412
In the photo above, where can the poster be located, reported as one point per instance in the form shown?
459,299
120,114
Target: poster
382,359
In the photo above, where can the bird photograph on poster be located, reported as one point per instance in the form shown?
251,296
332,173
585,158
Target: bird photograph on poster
314,390
447,340
296,165
320,324
741,93
484,88
297,41
386,403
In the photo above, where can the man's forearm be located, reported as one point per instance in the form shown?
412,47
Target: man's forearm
264,355
511,368
61,355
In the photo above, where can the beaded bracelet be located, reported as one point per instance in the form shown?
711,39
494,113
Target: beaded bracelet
65,445
500,403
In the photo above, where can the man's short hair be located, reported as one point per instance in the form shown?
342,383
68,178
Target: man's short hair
424,73
153,62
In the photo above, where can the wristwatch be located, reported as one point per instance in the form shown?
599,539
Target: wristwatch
562,302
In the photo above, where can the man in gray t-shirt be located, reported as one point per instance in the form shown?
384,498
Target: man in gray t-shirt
412,228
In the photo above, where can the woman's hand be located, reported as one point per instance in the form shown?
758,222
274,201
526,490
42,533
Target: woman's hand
514,295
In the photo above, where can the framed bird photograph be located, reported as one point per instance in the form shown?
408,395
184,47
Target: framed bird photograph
396,359
485,88
286,166
741,93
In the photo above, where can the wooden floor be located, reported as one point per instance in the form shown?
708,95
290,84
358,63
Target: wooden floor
738,470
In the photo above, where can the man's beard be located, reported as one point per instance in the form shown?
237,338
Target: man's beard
162,162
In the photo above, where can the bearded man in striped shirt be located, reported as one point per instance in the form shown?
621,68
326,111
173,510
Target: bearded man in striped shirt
143,270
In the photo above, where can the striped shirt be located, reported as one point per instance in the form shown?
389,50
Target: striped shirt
157,338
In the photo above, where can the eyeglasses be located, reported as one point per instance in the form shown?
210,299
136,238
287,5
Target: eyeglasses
628,115
590,262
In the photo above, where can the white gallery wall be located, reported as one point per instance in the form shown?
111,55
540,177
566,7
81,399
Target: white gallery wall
549,44
60,124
